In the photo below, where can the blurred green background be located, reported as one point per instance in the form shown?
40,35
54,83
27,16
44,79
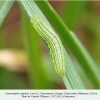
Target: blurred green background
82,17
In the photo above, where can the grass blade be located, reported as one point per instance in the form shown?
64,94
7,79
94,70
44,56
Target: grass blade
74,10
5,7
72,81
69,39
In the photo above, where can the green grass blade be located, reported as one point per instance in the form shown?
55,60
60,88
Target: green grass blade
74,10
71,74
72,42
5,7
72,81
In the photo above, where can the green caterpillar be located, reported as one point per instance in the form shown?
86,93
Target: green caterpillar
53,42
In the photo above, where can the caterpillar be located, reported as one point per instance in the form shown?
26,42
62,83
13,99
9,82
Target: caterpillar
53,41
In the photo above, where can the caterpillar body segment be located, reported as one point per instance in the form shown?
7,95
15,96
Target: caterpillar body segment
53,41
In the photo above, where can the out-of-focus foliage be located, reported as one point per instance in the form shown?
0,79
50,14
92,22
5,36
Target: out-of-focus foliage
13,80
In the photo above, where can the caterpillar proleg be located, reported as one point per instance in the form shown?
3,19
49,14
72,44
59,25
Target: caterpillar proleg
53,41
